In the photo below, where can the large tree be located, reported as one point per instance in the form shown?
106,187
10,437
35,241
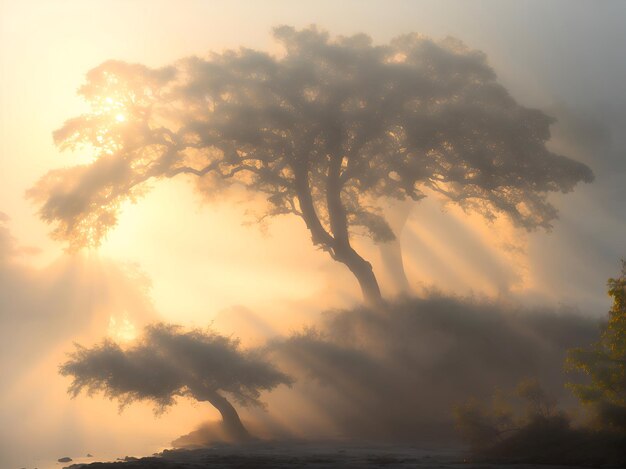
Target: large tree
324,130
168,362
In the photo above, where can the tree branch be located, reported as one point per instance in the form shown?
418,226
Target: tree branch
189,170
319,235
336,211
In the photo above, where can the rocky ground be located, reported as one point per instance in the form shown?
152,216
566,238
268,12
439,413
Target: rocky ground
312,456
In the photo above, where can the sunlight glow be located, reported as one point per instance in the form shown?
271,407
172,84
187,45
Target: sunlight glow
113,107
122,330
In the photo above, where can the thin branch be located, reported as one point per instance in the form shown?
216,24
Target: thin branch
189,170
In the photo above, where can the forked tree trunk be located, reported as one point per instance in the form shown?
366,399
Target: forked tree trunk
337,243
342,248
230,418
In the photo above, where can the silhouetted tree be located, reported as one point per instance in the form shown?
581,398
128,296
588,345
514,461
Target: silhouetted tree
605,362
167,362
324,131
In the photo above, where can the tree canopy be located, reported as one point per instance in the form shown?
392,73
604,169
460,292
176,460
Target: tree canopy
169,362
605,362
325,130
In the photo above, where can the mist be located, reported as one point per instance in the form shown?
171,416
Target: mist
398,376
470,307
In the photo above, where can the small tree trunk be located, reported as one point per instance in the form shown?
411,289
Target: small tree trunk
230,418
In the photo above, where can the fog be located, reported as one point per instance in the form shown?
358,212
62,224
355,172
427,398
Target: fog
42,311
492,303
399,376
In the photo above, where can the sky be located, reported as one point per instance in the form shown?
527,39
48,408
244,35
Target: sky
175,258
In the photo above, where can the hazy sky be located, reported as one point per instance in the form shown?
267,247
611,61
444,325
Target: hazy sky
564,57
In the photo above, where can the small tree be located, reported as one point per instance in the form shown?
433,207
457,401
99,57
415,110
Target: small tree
168,362
323,131
605,362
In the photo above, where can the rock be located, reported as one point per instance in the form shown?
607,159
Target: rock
89,455
65,459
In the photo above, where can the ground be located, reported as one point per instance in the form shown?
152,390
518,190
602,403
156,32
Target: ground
299,454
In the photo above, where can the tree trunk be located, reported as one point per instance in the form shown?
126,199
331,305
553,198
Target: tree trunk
391,255
363,272
230,418
391,252
337,244
343,251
